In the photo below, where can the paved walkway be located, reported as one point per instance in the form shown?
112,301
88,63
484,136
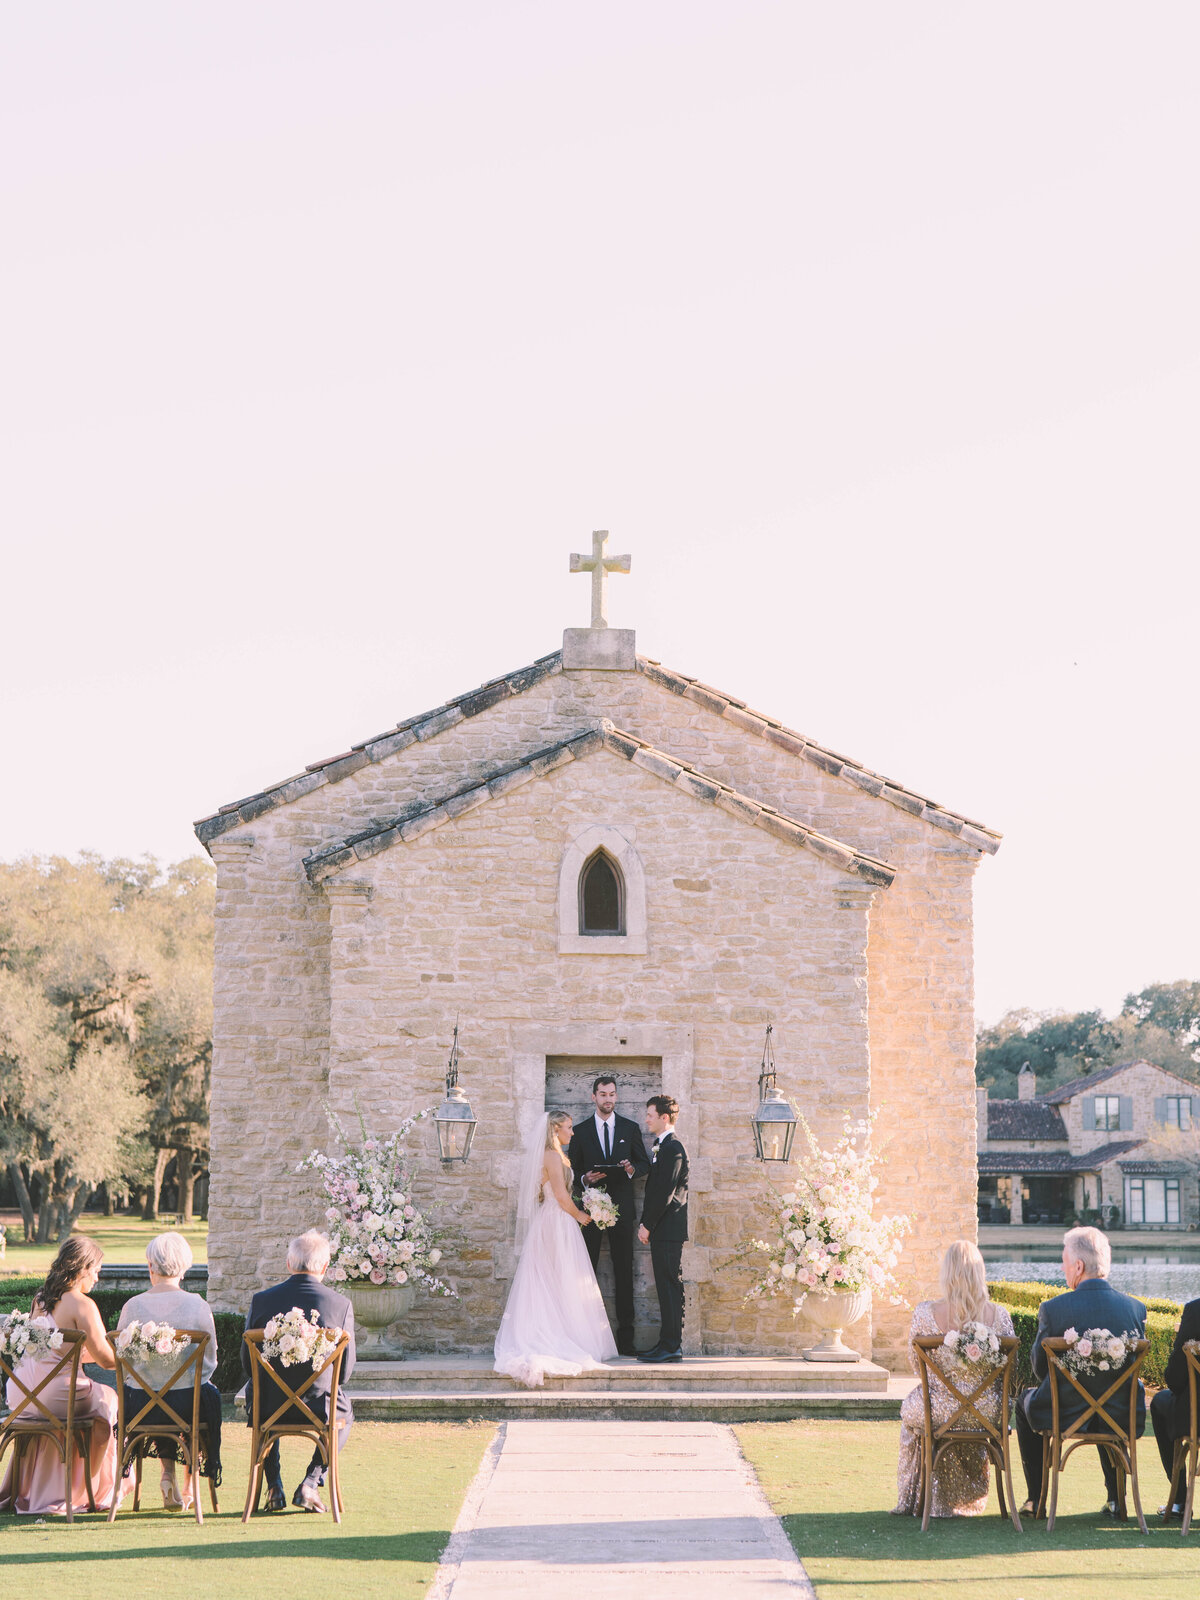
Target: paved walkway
607,1509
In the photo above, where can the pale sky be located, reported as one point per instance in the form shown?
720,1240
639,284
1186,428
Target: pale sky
871,331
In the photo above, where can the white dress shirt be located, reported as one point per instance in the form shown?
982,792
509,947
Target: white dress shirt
609,1122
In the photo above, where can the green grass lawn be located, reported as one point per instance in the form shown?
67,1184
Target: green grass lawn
403,1484
123,1240
833,1484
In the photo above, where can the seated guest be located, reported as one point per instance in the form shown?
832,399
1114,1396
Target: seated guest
307,1261
1091,1302
64,1300
168,1255
1170,1410
960,1484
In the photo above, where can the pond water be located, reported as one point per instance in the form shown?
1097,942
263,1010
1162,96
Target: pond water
1172,1272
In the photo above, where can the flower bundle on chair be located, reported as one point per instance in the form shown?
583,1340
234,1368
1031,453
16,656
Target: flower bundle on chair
1098,1350
825,1238
601,1207
376,1234
973,1345
149,1341
22,1334
294,1339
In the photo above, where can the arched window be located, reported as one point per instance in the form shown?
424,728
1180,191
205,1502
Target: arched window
601,897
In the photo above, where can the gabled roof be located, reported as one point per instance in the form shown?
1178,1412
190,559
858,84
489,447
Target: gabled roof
1093,1160
428,724
1068,1091
1024,1119
427,814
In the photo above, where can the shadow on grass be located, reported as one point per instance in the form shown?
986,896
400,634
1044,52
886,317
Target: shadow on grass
327,1545
878,1536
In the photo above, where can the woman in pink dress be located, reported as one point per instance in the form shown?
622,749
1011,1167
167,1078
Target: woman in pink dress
63,1300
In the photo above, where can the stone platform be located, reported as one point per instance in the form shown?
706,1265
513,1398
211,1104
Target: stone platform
708,1388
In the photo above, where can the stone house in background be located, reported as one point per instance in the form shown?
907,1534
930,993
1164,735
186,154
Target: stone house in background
593,863
1124,1142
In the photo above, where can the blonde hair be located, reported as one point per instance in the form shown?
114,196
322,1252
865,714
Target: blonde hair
556,1120
964,1283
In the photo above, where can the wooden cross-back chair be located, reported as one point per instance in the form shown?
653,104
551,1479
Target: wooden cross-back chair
1117,1441
292,1417
967,1424
1187,1450
31,1420
157,1418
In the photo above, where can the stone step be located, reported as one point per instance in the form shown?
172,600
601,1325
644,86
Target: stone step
656,1405
695,1374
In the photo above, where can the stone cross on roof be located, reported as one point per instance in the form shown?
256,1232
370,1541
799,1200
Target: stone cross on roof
599,565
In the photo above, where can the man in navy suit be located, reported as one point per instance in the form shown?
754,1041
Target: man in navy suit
1091,1303
308,1261
1170,1410
605,1140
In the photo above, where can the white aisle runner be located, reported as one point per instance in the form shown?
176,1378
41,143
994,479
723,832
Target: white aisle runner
608,1508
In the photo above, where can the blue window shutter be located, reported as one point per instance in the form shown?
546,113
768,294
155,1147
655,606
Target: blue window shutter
1160,1109
1185,1113
1089,1115
1126,1124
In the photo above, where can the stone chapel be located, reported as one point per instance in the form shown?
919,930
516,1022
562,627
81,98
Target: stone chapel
593,862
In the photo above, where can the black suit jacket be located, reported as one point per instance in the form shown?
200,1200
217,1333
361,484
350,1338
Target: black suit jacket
1177,1372
664,1210
1094,1304
586,1153
334,1311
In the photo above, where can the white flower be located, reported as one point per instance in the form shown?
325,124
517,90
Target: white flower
434,1257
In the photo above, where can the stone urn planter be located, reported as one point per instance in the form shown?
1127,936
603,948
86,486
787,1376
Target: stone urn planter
376,1308
831,1313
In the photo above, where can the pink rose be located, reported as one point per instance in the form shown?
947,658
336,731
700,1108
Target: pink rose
1084,1346
973,1352
378,1275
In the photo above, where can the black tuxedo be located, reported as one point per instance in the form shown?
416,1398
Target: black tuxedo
334,1311
1094,1304
1170,1410
586,1153
665,1219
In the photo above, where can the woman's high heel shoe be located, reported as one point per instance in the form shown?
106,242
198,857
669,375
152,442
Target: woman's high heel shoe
172,1500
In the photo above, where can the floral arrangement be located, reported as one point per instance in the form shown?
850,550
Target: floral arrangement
825,1238
973,1345
376,1234
139,1342
1098,1350
601,1207
24,1335
294,1338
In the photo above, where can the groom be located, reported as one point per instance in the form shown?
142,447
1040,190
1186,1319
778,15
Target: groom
665,1224
605,1140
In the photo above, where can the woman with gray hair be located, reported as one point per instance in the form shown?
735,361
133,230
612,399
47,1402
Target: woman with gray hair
168,1255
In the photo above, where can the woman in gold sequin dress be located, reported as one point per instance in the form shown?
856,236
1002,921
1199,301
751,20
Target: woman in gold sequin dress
960,1484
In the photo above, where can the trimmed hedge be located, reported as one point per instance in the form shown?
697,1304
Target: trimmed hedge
16,1294
1023,1299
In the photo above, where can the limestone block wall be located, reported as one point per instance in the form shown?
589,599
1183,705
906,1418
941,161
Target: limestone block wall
463,920
1144,1083
272,1025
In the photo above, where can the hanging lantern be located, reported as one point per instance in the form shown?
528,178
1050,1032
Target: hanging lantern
454,1117
774,1122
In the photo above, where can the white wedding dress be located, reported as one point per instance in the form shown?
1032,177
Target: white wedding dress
554,1321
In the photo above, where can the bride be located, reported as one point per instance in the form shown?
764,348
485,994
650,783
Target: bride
555,1321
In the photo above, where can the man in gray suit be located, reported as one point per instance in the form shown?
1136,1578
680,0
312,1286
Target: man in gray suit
308,1261
1092,1302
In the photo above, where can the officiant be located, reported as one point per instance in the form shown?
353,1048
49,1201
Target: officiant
606,1152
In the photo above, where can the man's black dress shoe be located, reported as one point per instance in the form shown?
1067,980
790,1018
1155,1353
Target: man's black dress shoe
1171,1513
658,1357
276,1499
644,1355
1113,1510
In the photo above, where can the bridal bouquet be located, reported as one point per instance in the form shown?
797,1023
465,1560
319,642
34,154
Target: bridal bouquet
973,1345
825,1238
149,1341
376,1234
601,1207
294,1339
1096,1351
24,1335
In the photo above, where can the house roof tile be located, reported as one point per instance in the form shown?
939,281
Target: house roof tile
430,813
1024,1119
